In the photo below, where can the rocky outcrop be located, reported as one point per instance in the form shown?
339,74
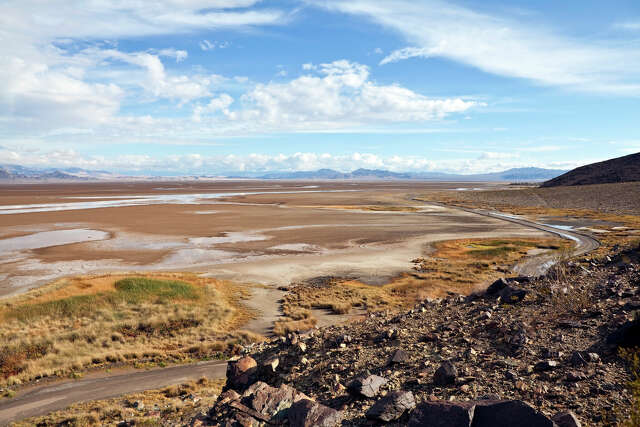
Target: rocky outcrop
548,359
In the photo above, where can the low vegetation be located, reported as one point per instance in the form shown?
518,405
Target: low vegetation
618,217
174,404
98,321
454,266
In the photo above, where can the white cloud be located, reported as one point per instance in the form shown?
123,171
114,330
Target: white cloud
503,46
50,79
339,94
207,45
257,162
157,82
220,103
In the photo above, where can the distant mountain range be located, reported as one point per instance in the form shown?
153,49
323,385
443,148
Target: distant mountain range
621,169
18,173
512,175
22,173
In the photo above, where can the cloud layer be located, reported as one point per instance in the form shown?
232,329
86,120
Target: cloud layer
502,46
303,161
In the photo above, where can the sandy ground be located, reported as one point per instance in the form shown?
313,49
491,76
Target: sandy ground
293,232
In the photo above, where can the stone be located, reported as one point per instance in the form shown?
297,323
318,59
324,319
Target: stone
566,419
593,357
400,356
270,401
307,413
241,373
512,295
367,386
508,413
270,365
392,406
301,347
497,286
578,359
546,365
443,414
627,335
446,374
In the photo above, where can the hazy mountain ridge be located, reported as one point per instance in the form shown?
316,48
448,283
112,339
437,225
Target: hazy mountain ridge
620,169
515,174
22,173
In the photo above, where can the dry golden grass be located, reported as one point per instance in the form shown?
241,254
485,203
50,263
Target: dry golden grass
96,321
168,402
459,266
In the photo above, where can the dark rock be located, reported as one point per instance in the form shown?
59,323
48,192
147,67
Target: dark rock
307,413
392,406
446,374
512,295
367,386
546,365
508,413
443,414
429,337
566,419
497,286
270,401
578,359
241,373
627,335
400,356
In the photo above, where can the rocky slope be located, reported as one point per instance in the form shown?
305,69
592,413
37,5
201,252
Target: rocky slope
526,352
621,169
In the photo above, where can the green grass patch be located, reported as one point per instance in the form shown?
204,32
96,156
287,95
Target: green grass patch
132,290
137,289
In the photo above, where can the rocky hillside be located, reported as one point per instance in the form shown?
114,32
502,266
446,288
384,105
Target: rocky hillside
621,169
543,352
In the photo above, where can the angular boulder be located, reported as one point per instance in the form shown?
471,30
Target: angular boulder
566,419
241,373
497,286
392,406
443,414
367,386
307,413
399,356
446,374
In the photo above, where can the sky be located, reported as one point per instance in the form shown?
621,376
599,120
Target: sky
222,86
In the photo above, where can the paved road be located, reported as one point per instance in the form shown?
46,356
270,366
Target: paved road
48,398
45,399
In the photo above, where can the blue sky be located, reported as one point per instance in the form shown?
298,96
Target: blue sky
219,86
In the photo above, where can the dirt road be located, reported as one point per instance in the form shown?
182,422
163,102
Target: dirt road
45,399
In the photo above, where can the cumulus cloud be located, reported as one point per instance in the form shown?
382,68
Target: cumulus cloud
339,94
50,79
502,46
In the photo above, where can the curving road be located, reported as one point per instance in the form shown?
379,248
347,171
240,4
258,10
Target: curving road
41,400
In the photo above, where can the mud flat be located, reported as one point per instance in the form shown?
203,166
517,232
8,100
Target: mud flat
263,232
